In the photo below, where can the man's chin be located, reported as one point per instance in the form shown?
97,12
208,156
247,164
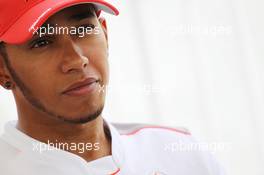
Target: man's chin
83,119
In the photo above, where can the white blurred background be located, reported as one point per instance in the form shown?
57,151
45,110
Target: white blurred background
192,63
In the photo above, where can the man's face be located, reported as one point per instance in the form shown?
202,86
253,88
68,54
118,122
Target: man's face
44,67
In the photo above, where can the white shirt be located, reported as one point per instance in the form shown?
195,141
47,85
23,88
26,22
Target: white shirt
136,150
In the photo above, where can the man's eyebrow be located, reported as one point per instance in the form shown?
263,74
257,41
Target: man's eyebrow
82,15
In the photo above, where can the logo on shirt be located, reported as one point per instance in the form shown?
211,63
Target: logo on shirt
33,26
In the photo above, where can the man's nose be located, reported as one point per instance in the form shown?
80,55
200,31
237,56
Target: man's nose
74,59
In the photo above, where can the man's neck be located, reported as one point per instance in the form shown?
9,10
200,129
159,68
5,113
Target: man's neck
89,141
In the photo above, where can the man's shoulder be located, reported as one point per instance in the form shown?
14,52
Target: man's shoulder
131,129
172,147
7,153
5,148
147,134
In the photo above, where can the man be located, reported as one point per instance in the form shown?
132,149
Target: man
54,59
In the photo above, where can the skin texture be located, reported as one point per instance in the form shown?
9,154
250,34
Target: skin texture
41,69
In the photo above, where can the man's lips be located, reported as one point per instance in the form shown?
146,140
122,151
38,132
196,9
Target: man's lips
81,87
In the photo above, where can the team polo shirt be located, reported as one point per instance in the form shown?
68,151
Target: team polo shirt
136,150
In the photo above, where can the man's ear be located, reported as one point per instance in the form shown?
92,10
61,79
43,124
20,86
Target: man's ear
2,71
4,77
102,21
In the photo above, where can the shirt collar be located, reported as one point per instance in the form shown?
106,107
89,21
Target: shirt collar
105,165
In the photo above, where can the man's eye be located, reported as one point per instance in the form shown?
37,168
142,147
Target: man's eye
85,29
40,43
89,26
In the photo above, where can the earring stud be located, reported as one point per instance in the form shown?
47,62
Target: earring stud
8,85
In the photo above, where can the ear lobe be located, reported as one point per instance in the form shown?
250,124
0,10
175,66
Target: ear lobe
3,78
